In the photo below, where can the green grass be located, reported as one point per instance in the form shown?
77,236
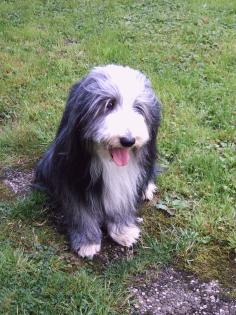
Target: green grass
188,50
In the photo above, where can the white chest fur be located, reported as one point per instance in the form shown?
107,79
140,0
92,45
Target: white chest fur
120,184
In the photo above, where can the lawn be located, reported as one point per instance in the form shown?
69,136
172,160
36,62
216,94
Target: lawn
188,50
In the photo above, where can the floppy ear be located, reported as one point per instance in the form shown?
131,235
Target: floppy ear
71,101
79,107
70,134
69,147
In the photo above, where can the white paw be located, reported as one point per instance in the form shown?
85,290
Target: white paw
89,250
150,191
126,235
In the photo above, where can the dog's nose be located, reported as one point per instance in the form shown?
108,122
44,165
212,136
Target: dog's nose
127,142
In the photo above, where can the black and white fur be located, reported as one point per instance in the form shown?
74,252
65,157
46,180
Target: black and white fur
112,107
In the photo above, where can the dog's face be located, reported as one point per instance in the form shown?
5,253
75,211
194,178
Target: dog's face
114,109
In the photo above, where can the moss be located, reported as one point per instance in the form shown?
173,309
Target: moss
208,259
154,218
213,262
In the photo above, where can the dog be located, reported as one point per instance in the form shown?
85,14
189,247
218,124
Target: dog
102,162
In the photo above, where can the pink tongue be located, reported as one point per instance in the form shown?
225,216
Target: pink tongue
120,156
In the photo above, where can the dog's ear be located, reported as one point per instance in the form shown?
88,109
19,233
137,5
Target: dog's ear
71,101
65,137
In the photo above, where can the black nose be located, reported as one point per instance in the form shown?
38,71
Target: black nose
127,142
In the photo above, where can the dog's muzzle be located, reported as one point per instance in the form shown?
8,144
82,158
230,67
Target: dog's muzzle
120,155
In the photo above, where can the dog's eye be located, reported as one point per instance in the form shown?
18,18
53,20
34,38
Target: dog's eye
110,105
139,109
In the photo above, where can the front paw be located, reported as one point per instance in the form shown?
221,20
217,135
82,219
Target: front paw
84,247
150,191
89,250
125,235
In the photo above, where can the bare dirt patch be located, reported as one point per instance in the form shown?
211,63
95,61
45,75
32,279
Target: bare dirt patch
15,182
173,292
112,252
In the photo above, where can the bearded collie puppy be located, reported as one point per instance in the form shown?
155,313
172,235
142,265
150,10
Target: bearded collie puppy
102,162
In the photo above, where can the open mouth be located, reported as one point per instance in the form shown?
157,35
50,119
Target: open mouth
120,156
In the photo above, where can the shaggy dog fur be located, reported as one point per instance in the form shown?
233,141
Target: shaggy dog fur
101,163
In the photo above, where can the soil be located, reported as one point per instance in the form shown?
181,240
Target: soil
175,292
16,182
165,292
